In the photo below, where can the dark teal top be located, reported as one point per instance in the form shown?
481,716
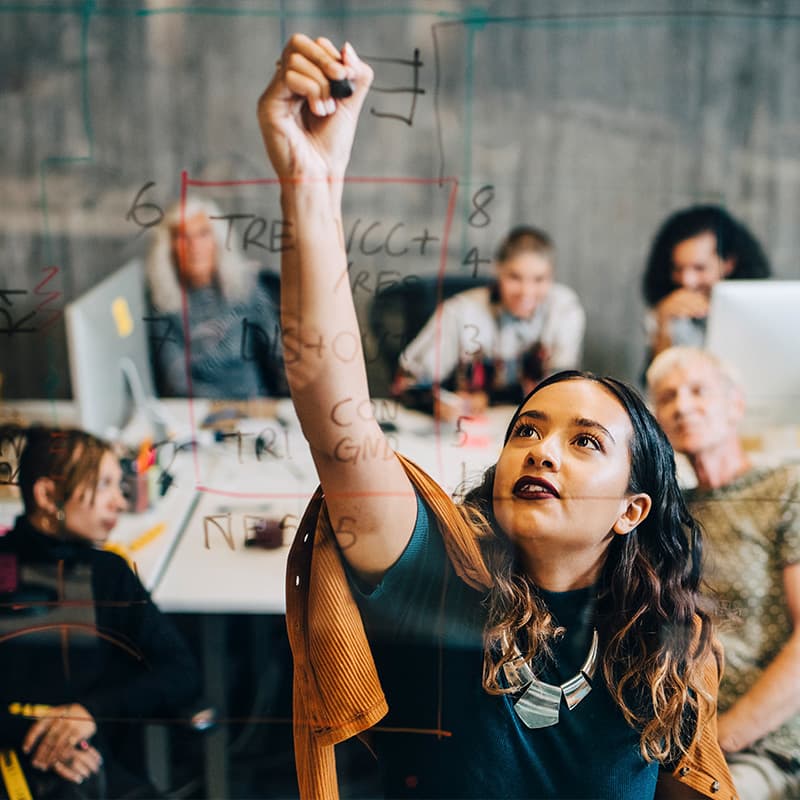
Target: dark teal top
490,753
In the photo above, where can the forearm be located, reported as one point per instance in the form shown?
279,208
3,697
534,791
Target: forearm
660,339
308,137
771,700
322,341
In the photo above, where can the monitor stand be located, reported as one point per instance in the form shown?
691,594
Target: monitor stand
148,418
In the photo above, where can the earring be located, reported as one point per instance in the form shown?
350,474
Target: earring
61,515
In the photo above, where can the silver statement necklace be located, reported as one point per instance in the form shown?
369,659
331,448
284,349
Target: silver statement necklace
539,703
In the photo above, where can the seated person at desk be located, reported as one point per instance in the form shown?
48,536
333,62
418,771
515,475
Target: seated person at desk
694,249
91,667
481,339
544,639
228,361
751,520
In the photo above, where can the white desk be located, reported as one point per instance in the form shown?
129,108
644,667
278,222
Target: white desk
169,515
213,577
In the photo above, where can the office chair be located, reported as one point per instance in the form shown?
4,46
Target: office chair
398,313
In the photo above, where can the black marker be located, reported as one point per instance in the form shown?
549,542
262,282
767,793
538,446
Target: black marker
340,89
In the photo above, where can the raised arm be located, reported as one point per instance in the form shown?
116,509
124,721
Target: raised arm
308,136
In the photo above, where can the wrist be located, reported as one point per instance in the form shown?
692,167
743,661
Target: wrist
731,734
303,192
664,316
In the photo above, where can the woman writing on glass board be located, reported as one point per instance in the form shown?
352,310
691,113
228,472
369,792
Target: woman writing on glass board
543,639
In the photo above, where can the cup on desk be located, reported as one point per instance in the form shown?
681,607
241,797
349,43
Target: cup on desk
135,486
265,533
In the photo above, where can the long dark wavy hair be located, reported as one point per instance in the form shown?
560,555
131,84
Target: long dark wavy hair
654,627
734,241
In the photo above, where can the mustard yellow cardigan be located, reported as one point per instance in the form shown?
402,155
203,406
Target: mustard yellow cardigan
337,693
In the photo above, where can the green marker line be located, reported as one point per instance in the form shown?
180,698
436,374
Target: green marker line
223,11
466,155
86,10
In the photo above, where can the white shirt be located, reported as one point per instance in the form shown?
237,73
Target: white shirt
468,326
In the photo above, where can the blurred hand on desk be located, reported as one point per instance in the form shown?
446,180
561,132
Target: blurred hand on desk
451,406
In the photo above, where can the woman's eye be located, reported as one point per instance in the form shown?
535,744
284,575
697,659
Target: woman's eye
525,430
585,440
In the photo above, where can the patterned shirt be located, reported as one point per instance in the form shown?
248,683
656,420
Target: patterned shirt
235,350
752,532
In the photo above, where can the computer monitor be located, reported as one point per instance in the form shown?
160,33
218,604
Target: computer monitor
755,327
108,355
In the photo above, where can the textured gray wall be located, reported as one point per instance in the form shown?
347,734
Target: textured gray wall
591,120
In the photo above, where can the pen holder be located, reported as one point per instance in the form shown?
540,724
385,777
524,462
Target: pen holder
135,487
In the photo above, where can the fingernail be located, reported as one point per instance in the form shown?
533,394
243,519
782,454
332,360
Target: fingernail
330,105
319,108
351,54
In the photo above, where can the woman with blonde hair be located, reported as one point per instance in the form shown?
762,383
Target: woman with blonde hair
228,343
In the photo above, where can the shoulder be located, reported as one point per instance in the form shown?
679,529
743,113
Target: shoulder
564,296
107,559
477,297
113,570
473,307
780,481
787,475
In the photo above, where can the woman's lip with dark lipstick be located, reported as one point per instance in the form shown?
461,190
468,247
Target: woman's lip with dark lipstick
529,487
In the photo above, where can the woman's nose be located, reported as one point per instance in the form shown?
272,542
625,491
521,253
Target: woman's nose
544,454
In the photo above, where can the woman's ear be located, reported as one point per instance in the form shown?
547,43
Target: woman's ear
635,512
44,495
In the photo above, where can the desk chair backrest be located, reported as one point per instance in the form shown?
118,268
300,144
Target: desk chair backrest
271,282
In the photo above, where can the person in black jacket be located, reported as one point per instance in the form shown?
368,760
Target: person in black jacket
86,654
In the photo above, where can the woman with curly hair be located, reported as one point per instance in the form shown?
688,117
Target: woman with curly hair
695,248
545,638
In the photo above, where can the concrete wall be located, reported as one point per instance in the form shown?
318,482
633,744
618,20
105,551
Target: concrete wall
592,120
